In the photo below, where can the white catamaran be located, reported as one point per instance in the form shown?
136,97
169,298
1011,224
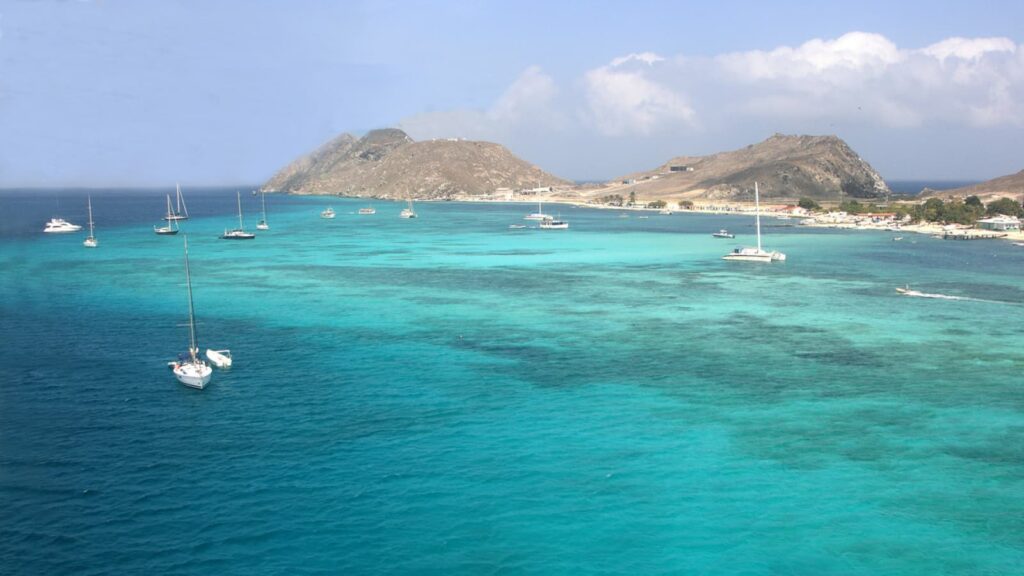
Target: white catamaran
91,241
182,212
747,254
190,369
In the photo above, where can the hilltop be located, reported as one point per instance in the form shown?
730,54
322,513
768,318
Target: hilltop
818,167
387,163
1011,186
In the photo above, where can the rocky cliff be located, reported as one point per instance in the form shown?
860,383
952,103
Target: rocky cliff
388,164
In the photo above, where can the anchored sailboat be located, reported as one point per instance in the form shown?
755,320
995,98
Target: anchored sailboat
182,212
408,212
90,241
190,369
263,221
238,233
171,227
747,254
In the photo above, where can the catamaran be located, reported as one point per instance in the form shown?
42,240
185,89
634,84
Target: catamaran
539,214
90,241
263,221
408,212
182,212
747,254
190,369
171,227
238,233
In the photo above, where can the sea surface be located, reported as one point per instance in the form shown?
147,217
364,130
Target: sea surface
446,395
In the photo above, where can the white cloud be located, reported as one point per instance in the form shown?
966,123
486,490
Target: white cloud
968,48
649,58
625,99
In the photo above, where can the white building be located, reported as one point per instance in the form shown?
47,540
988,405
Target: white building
1001,223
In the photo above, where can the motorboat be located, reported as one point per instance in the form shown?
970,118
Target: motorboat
329,213
189,368
171,228
723,233
665,212
747,254
553,224
238,233
367,211
219,358
407,212
516,226
91,241
897,238
60,226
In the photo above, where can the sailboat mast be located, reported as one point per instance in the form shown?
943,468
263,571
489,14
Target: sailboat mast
90,217
239,194
178,187
192,348
263,199
757,216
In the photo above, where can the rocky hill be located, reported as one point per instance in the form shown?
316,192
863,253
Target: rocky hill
388,164
818,167
1011,186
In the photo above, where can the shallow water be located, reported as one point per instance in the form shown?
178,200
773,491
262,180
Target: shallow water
448,395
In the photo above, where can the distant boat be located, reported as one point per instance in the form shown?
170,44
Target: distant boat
189,369
516,226
238,233
171,227
367,211
747,254
60,226
182,211
329,213
665,212
408,212
263,221
219,358
723,233
897,238
539,214
553,224
91,241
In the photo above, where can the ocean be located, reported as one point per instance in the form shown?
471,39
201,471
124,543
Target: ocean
446,395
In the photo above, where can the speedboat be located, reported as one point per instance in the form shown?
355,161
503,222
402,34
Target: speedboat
219,358
60,225
723,233
553,224
329,213
367,211
897,238
516,226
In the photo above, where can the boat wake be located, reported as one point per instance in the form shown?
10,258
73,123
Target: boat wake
919,294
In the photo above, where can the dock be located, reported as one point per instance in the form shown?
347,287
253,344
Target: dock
971,235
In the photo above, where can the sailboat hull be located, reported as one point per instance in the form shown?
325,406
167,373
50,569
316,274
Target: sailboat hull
90,242
194,375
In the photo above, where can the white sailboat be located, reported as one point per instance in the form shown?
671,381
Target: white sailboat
747,254
263,221
182,212
408,212
190,369
328,213
90,241
539,214
238,233
171,227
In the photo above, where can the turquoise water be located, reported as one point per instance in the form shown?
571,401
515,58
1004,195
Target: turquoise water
446,395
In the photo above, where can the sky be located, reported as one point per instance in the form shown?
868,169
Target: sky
148,93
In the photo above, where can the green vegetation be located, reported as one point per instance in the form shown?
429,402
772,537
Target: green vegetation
808,204
632,198
659,204
611,200
1005,206
686,204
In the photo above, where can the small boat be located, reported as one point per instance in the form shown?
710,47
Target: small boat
60,226
329,213
171,228
643,217
539,214
219,358
757,254
723,233
91,241
263,221
553,224
897,238
190,369
516,226
367,211
408,212
182,212
1018,243
665,212
238,233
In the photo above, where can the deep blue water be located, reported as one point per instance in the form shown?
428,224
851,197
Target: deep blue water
446,395
914,187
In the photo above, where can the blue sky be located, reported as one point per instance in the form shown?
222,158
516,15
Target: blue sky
115,92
